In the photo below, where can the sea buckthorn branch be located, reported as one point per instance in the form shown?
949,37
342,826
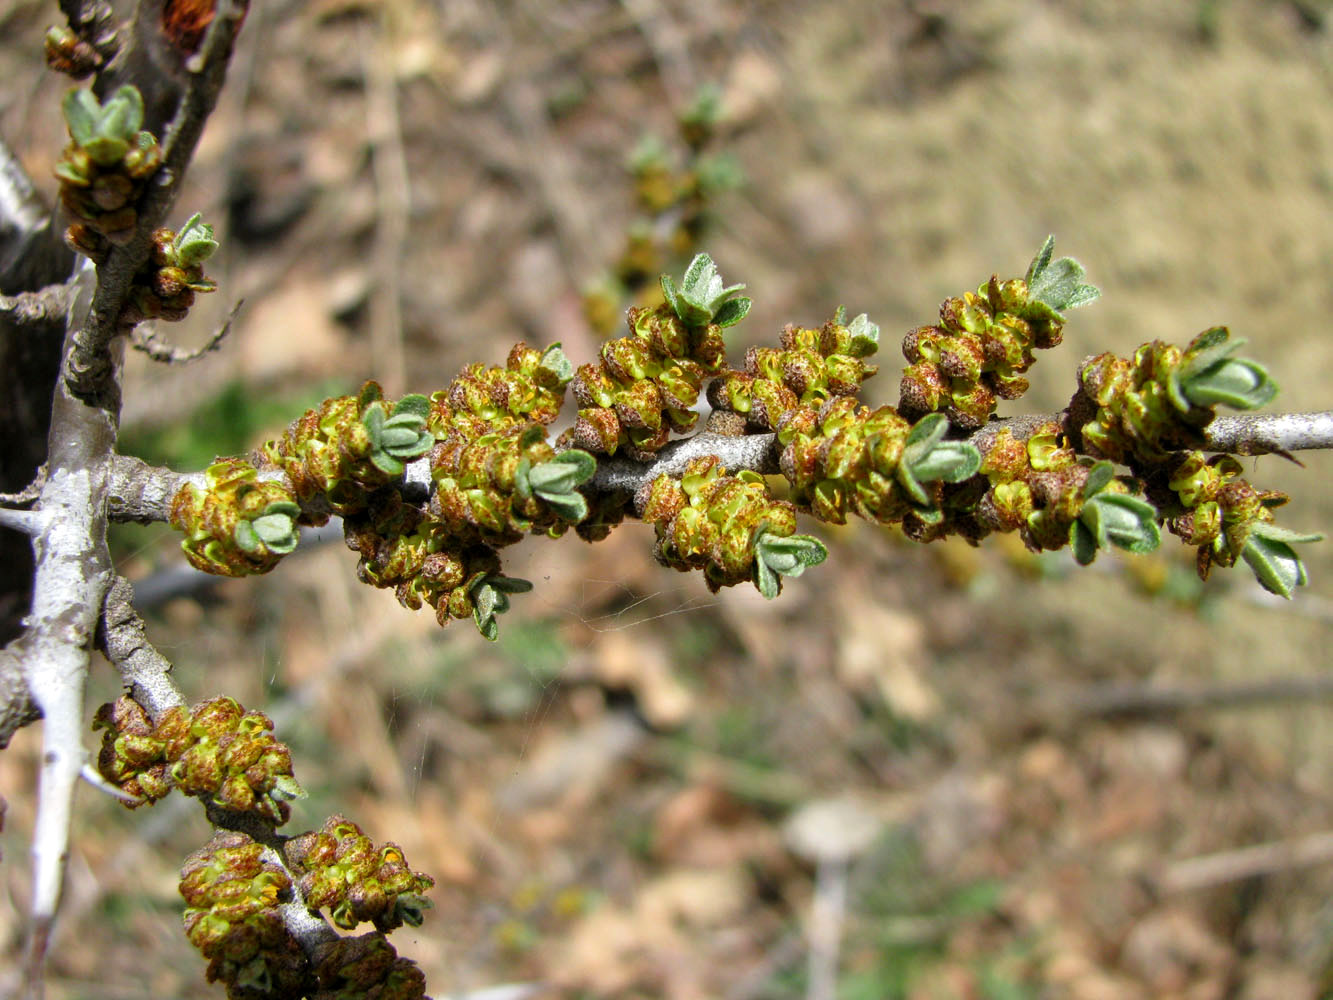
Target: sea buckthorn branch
253,897
495,478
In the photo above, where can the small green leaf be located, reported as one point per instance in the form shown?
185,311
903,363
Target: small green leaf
1058,283
669,293
286,789
411,908
558,364
246,538
572,507
1124,521
947,461
194,243
925,433
414,404
278,532
1083,542
393,438
386,463
122,115
81,111
522,486
911,485
865,337
1276,565
784,556
732,311
1040,261
1236,382
1098,477
563,472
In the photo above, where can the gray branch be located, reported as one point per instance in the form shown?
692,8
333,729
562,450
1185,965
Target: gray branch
145,671
1271,433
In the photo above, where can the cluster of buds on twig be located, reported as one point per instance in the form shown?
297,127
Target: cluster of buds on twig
166,285
674,196
496,478
809,368
984,341
336,456
67,53
339,869
1141,409
237,523
215,751
232,895
647,384
103,170
731,527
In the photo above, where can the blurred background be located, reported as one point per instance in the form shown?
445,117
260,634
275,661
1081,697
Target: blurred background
647,791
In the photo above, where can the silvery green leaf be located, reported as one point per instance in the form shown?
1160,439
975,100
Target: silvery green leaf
393,438
571,506
194,242
784,556
385,462
278,532
557,363
373,421
1040,261
522,487
414,404
1098,477
732,311
246,538
1280,534
81,114
911,485
669,293
122,115
949,462
1083,542
1059,283
1124,521
1276,565
924,433
286,789
509,584
1236,382
865,337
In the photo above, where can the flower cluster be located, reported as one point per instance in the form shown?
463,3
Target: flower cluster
215,751
809,368
1142,408
984,341
847,458
103,170
1041,489
236,523
731,527
365,968
339,869
646,385
1228,519
335,456
232,895
166,285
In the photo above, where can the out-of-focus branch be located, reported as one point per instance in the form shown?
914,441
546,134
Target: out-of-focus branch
31,255
17,709
39,309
